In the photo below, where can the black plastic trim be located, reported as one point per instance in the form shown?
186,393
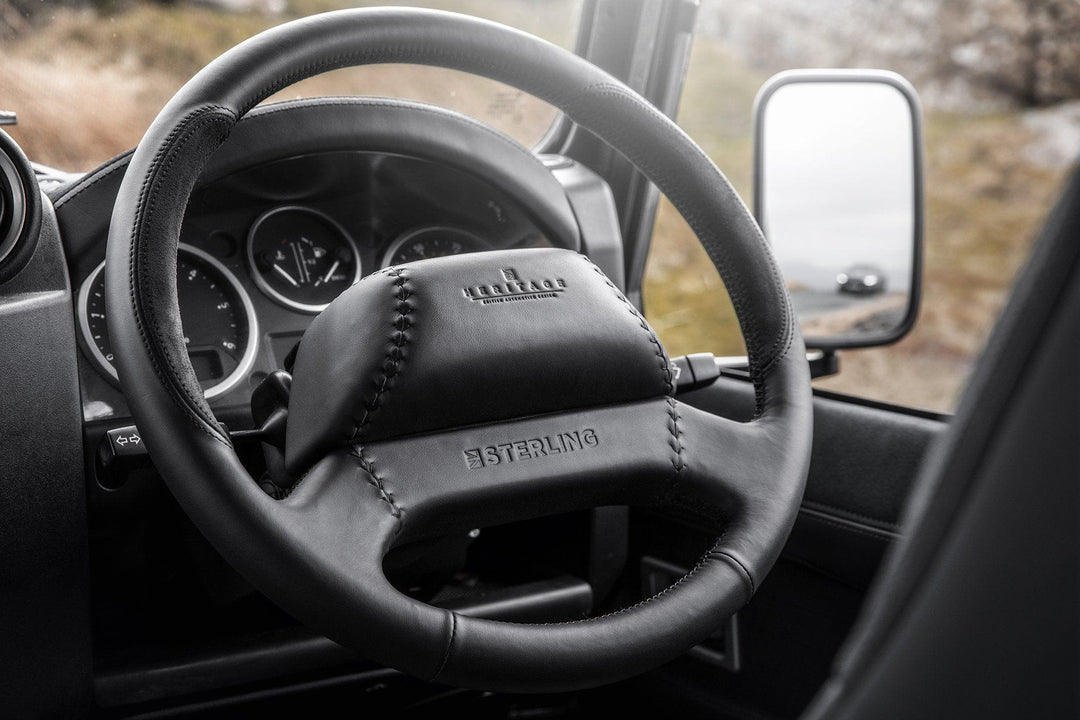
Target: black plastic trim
295,650
20,209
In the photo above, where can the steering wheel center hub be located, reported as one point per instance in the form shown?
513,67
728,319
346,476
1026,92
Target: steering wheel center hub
468,340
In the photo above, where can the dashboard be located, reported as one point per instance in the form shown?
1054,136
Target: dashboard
265,249
304,199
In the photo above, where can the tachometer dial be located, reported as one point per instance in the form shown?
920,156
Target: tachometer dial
431,242
220,327
301,258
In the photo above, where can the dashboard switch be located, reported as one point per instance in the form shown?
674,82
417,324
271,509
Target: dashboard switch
122,442
121,452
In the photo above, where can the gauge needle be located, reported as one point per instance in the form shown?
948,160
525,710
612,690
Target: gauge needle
330,272
286,275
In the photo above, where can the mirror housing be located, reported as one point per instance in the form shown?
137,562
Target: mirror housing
838,191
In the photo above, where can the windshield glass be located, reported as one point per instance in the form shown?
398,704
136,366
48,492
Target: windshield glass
86,77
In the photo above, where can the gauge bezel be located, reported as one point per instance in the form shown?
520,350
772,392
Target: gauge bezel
406,237
251,350
11,186
265,287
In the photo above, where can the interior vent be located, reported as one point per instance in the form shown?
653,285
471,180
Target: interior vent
20,208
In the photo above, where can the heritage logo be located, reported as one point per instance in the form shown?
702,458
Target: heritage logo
514,289
531,448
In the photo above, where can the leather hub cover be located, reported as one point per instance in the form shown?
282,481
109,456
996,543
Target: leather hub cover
460,341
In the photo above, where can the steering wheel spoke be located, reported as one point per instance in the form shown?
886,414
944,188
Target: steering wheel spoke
498,473
357,502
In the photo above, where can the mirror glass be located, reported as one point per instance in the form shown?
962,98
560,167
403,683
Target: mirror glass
837,192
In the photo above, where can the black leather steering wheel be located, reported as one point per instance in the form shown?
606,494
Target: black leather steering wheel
467,391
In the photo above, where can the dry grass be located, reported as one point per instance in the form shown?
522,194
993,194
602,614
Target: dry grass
984,204
87,86
985,201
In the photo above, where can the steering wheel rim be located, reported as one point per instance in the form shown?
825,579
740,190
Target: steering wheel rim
293,547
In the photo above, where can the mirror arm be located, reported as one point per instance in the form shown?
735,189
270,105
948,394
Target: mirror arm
823,363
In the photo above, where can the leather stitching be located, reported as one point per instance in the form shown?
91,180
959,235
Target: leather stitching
368,466
399,338
194,408
759,387
710,555
762,359
120,162
676,442
449,647
692,219
658,349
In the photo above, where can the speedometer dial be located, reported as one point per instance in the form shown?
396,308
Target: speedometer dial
301,258
217,316
432,242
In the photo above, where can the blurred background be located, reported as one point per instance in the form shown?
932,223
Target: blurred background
999,82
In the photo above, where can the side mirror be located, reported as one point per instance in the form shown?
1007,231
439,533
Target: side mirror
838,192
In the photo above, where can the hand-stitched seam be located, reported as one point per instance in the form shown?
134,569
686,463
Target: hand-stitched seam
761,358
692,219
159,167
675,442
760,392
449,647
368,466
391,365
286,492
693,571
179,392
665,364
778,280
120,162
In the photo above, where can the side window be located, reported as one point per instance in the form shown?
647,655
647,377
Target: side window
998,143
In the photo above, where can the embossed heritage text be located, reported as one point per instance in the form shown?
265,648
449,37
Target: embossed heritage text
514,289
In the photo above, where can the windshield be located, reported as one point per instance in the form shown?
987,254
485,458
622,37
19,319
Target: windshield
86,77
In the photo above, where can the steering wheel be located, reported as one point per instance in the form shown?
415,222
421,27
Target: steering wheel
448,394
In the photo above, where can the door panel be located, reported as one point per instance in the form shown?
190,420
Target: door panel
865,459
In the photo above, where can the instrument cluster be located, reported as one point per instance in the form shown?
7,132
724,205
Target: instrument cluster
265,250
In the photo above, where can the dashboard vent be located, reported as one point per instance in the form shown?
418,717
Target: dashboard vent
20,208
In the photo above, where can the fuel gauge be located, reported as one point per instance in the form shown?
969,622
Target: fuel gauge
301,258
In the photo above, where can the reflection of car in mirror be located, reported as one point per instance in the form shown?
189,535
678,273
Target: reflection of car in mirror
861,280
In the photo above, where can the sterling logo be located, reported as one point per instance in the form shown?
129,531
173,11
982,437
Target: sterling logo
514,289
530,449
